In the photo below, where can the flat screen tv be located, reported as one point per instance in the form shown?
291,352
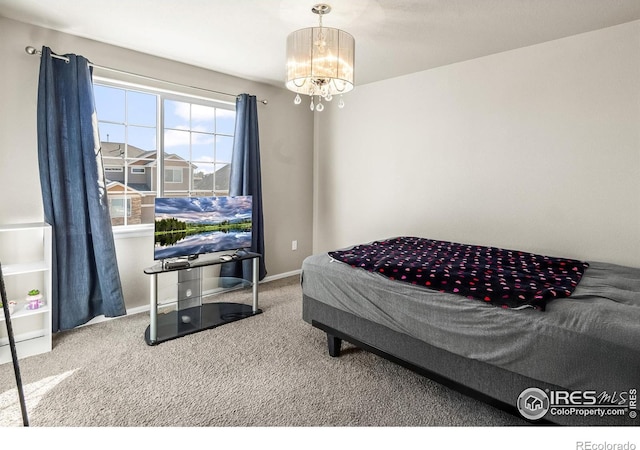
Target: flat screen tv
191,226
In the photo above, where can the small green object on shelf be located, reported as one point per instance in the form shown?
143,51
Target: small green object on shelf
34,292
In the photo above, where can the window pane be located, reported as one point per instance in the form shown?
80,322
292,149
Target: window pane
111,133
141,108
202,183
174,138
203,152
203,118
142,138
177,143
225,121
109,103
176,114
178,154
116,207
222,179
202,141
204,167
224,148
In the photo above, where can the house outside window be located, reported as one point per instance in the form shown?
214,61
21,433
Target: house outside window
192,136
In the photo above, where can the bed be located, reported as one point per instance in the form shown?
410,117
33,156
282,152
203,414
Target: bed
569,356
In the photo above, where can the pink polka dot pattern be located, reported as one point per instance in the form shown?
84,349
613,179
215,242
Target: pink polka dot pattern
505,278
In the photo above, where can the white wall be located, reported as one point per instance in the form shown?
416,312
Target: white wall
285,140
536,148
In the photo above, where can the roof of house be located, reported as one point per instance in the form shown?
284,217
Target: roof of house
115,150
221,178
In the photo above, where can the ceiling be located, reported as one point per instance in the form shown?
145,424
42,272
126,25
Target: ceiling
246,38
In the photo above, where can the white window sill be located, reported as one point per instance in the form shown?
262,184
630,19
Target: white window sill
133,231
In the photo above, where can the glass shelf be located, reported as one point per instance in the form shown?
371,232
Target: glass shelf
180,323
183,311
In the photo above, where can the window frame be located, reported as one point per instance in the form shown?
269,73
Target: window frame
132,230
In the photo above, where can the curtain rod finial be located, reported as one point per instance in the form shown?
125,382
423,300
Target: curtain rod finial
30,50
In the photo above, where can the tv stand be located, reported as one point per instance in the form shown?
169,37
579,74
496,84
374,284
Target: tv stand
191,315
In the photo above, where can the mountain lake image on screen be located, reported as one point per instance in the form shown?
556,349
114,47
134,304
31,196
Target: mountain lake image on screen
191,226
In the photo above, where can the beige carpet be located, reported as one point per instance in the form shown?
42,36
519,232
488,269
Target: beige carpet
269,370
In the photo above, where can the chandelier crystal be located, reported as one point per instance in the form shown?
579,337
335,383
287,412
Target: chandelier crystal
320,62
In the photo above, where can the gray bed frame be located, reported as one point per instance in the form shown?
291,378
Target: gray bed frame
485,382
476,379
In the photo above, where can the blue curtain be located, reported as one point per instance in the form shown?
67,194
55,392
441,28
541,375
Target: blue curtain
245,179
86,282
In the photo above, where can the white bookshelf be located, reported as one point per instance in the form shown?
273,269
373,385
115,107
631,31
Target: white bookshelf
25,254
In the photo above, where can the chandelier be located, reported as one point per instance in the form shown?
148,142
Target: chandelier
320,62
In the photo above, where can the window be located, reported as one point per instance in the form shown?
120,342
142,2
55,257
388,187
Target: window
116,207
192,136
172,175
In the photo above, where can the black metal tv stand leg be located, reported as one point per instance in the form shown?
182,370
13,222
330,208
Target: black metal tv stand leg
12,345
335,344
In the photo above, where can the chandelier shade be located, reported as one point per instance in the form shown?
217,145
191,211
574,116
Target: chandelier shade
320,61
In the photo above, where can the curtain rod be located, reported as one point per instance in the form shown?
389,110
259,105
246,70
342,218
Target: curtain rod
33,51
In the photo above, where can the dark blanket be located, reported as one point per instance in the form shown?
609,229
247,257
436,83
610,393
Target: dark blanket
506,278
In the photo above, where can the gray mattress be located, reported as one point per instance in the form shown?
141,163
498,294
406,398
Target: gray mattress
589,341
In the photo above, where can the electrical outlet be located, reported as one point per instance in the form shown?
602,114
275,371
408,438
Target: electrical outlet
294,245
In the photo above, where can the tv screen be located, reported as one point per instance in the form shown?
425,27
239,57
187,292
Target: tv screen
188,226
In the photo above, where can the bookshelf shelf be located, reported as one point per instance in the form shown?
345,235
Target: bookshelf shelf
25,251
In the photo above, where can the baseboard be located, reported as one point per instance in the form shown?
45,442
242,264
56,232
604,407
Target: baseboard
145,308
281,275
